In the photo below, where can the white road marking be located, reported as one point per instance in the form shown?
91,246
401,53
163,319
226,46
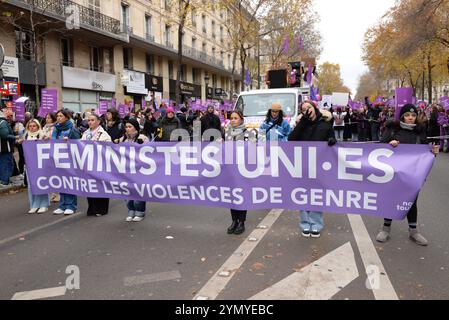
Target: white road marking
320,280
154,277
217,283
370,258
30,231
40,294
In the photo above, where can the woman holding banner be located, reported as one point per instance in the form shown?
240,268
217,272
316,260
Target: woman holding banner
275,127
237,131
408,131
96,206
38,203
136,209
314,125
65,130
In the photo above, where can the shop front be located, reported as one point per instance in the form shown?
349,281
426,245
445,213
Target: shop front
188,91
82,89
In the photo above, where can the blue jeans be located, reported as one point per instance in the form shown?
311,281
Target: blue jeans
68,201
37,201
137,206
6,167
311,220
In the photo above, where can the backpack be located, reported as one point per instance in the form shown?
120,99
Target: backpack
339,120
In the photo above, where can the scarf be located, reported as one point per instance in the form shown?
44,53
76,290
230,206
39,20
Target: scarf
238,130
91,134
60,128
406,126
34,135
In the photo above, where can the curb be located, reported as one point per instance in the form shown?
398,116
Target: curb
13,188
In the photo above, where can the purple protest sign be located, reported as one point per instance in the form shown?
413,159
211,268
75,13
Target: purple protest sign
103,106
49,101
19,108
114,103
144,104
402,97
371,179
122,110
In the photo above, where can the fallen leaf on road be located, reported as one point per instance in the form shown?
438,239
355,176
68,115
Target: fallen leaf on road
21,239
258,266
267,256
260,274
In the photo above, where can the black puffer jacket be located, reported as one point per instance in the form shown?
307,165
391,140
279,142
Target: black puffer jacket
319,130
393,131
168,126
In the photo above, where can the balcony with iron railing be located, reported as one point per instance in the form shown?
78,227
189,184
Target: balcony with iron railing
149,37
58,8
124,28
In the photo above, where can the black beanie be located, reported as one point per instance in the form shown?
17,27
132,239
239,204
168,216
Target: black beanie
408,108
134,122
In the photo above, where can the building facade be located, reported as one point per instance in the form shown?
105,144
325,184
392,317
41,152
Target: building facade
93,50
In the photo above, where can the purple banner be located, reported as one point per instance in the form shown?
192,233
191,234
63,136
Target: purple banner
114,103
371,179
49,101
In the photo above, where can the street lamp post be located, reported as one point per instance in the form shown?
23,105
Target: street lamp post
206,82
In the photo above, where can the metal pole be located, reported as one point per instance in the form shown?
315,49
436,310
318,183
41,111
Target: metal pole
258,62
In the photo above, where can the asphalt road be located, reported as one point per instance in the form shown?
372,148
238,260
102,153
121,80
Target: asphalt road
120,260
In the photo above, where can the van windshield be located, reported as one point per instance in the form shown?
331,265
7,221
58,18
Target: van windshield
258,104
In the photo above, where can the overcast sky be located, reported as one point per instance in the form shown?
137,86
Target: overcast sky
342,26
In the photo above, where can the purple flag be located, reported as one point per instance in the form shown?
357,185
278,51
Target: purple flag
285,46
300,45
309,74
248,78
114,103
370,179
402,97
49,102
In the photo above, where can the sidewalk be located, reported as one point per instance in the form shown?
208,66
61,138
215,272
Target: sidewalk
15,185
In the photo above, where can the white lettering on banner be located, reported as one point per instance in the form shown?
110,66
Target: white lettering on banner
327,197
375,163
195,161
41,155
344,164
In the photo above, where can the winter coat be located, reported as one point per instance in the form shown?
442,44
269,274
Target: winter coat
168,125
7,137
319,130
393,131
115,131
282,131
210,121
99,135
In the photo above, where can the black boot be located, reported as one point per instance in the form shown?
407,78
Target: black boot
240,228
232,227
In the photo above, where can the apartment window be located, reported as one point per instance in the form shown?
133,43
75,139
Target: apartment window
149,59
203,18
148,28
167,5
196,75
229,61
66,52
213,29
183,72
222,56
214,80
204,47
193,17
94,13
127,58
168,35
24,44
193,43
170,69
94,59
125,17
221,34
213,52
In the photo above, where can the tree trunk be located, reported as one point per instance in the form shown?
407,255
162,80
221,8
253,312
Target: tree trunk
242,62
429,77
234,59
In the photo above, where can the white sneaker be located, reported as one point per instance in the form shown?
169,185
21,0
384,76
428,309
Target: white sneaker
58,211
137,219
129,219
68,212
33,210
42,210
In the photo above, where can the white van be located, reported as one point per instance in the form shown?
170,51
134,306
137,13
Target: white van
255,104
